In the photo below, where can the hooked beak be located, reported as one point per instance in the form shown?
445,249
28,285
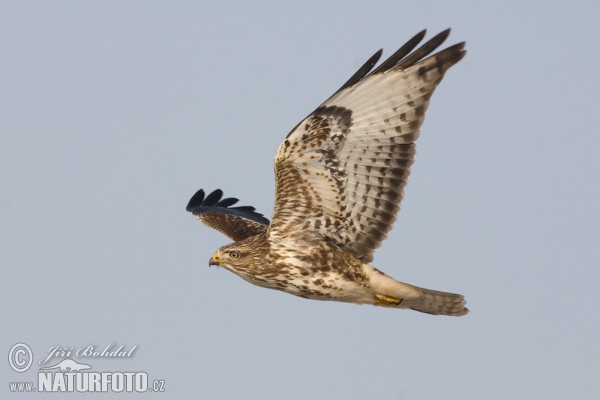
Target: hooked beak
214,260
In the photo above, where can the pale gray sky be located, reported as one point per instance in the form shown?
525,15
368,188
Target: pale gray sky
112,114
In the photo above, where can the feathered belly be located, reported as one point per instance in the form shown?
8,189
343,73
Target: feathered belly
314,282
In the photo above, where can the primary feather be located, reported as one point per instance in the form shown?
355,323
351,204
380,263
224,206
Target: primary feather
237,223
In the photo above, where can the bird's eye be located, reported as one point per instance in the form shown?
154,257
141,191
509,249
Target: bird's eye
234,254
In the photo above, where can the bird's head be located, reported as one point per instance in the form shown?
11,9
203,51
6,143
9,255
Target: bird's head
227,256
238,256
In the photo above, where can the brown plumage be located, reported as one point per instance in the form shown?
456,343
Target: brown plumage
340,177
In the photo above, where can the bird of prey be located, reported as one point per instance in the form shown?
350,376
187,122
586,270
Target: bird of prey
340,177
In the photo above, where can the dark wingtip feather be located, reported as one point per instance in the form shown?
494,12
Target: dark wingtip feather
424,50
213,198
227,202
402,58
363,71
245,209
213,203
196,200
400,53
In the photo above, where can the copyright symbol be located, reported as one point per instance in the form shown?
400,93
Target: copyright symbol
20,357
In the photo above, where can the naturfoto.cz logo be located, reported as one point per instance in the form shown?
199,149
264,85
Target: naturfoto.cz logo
69,375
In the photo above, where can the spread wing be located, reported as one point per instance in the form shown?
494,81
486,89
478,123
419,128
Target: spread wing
237,223
341,172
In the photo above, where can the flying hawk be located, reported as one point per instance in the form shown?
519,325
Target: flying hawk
340,175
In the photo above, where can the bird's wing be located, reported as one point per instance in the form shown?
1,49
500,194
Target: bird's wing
237,223
340,173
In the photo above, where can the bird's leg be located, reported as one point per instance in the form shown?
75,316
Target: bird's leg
386,301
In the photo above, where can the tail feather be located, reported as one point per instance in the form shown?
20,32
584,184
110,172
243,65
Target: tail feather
438,303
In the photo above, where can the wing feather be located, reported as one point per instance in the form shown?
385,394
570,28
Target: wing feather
237,223
341,172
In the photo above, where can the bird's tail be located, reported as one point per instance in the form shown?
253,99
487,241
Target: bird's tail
389,292
437,303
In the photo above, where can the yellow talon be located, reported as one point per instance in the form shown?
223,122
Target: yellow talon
386,301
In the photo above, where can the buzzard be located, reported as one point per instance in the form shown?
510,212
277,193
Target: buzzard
340,177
